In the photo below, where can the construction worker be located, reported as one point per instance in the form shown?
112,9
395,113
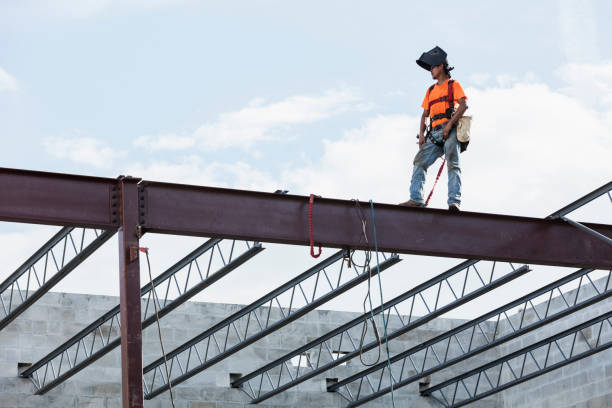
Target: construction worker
440,137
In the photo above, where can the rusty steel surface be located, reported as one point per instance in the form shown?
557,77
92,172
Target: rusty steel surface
129,302
207,211
58,199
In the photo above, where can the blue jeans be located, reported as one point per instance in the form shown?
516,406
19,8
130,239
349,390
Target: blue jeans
427,155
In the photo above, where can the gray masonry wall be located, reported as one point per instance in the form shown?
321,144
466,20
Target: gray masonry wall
58,316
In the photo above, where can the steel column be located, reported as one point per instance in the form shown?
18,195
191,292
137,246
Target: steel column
129,285
553,352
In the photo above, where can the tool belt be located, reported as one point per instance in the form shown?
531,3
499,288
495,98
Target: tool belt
439,143
463,144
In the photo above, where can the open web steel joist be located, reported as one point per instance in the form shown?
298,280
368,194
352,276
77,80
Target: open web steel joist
46,267
201,268
469,339
439,295
133,207
532,361
318,285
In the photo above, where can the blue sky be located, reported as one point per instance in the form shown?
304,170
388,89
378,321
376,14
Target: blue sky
316,96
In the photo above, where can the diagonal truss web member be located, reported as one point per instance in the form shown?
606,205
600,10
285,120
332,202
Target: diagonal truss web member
196,271
304,293
437,353
556,351
320,356
59,256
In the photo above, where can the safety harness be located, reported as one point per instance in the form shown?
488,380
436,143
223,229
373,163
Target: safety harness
446,98
448,114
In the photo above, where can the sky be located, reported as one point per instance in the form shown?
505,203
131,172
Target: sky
313,97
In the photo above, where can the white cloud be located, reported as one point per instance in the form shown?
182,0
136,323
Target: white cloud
591,83
372,161
259,121
7,82
165,141
82,150
194,170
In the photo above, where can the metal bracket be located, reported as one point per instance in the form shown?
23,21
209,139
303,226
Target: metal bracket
133,254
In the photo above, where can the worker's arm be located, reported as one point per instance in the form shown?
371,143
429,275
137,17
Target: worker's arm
453,120
424,117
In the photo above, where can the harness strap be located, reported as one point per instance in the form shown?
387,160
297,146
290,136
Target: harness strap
449,97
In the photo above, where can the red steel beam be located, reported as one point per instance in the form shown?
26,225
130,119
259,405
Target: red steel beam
58,199
129,301
207,211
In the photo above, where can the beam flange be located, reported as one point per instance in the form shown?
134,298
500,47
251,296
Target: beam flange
207,211
38,197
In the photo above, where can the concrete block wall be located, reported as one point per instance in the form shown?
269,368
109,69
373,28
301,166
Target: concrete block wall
58,316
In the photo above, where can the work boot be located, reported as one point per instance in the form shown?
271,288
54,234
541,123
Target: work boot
454,208
412,203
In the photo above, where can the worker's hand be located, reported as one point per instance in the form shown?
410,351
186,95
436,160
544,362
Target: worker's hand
446,131
421,140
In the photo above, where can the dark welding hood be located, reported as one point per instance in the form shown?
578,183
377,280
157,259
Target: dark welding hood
431,58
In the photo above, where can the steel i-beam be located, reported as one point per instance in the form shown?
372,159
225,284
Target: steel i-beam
196,271
46,267
304,293
470,338
532,361
38,197
328,350
194,210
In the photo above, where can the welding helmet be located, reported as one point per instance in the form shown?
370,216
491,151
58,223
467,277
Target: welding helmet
433,57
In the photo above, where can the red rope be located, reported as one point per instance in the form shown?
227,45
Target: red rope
312,253
436,182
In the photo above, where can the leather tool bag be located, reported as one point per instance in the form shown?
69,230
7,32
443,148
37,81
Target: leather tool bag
463,129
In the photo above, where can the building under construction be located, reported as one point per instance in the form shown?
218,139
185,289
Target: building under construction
547,347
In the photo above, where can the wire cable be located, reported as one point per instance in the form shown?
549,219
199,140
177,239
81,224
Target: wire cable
159,332
382,310
368,297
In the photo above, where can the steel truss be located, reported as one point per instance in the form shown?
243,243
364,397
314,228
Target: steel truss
172,288
446,291
470,338
302,294
532,361
46,267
